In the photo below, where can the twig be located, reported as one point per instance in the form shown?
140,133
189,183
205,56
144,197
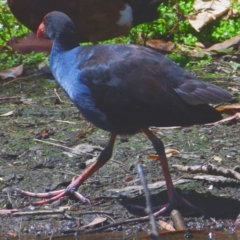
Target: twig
8,98
142,219
41,212
16,79
65,122
55,91
210,169
154,231
54,144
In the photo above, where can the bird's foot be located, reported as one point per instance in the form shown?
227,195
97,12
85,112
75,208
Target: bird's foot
174,202
55,195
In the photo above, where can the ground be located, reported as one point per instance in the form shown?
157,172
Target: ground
37,141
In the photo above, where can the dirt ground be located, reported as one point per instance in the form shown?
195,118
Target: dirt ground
45,142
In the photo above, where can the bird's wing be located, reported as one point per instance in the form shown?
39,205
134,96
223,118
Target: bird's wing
131,75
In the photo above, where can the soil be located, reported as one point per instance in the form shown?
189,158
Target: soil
43,127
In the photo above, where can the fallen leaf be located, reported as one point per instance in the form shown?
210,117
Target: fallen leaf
217,158
151,186
207,11
160,45
229,109
7,114
169,152
153,156
166,226
12,234
225,44
128,179
85,148
96,221
12,72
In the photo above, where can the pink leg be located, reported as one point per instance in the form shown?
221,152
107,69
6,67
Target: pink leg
104,156
174,198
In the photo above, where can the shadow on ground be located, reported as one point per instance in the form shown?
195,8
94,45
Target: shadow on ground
209,205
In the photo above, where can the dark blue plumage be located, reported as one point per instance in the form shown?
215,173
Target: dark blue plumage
124,89
109,81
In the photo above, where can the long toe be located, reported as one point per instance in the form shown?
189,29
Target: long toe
52,196
176,201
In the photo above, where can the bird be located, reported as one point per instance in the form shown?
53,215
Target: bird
125,89
95,20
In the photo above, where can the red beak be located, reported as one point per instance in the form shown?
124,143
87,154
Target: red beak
41,32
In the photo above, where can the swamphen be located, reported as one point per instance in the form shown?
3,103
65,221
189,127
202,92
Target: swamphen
124,89
94,20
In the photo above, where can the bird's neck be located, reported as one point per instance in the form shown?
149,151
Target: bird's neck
63,45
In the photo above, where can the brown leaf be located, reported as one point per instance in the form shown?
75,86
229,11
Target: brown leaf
12,72
153,156
229,109
207,11
96,221
160,45
166,226
128,179
12,234
169,152
225,44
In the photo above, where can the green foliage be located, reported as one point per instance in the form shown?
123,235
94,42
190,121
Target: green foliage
10,27
189,62
172,25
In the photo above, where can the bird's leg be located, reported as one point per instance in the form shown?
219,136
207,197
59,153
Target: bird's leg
104,156
174,198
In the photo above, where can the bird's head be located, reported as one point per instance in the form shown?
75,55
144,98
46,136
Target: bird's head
54,25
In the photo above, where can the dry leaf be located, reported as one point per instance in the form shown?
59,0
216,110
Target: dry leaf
7,114
160,45
12,72
96,221
207,11
169,152
12,234
225,44
128,179
85,148
166,226
151,186
217,158
229,109
153,156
